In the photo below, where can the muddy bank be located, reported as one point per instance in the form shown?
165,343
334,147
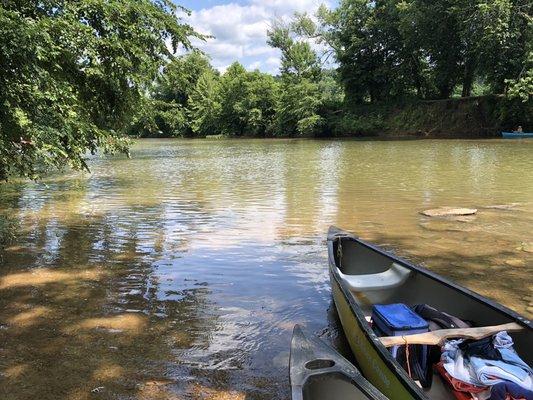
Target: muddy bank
472,117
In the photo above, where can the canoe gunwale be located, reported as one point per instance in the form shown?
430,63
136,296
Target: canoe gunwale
335,233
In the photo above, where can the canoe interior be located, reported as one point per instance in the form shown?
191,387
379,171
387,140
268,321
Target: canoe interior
333,386
421,287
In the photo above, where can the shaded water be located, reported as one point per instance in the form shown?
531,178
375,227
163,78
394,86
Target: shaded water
179,273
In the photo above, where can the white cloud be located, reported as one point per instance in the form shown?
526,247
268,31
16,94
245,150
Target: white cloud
273,61
240,31
254,65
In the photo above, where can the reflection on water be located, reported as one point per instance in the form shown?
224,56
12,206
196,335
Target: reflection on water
180,273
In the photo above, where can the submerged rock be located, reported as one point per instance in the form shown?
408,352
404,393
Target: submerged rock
527,247
515,262
448,212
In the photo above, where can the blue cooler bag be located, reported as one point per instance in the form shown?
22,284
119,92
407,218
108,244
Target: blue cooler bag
399,320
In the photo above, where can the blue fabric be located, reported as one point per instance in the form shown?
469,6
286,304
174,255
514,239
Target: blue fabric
502,340
399,317
510,357
501,390
483,372
491,372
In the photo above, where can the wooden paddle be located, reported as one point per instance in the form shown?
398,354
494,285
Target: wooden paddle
438,337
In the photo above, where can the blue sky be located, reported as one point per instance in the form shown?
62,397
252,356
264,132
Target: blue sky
240,27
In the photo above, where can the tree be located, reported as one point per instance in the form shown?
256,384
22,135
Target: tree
204,105
261,102
298,108
159,118
504,37
297,57
522,86
233,92
301,71
248,101
163,112
73,72
180,76
367,40
436,29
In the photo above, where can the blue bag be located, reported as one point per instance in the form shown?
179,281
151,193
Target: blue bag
399,320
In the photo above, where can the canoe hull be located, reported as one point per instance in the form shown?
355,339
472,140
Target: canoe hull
517,135
370,361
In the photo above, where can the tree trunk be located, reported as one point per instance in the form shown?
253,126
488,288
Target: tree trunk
445,91
468,79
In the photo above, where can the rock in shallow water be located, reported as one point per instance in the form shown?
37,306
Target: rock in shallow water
527,247
515,262
448,212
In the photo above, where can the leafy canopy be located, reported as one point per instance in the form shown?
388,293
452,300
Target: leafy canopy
73,72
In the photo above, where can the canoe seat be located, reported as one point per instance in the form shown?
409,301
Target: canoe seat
395,276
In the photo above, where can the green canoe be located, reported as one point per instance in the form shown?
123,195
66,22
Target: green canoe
362,275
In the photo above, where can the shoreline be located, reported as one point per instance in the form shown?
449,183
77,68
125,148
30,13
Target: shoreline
480,117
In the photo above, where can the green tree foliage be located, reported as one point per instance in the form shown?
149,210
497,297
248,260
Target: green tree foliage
522,87
502,37
393,49
164,111
203,108
300,99
234,115
72,72
297,57
298,108
75,76
192,99
249,101
159,118
180,76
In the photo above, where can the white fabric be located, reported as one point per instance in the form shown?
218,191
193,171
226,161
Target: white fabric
481,372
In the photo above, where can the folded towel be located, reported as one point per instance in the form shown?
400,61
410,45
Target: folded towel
492,372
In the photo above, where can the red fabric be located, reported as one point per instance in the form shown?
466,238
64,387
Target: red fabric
459,395
461,390
456,384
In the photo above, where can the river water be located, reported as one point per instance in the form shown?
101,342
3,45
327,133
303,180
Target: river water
179,273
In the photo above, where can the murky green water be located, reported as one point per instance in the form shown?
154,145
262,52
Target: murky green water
178,274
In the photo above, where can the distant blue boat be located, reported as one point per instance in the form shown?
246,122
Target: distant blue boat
517,135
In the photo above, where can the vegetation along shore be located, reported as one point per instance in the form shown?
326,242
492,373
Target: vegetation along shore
83,76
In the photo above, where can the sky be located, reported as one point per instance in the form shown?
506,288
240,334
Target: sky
240,28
